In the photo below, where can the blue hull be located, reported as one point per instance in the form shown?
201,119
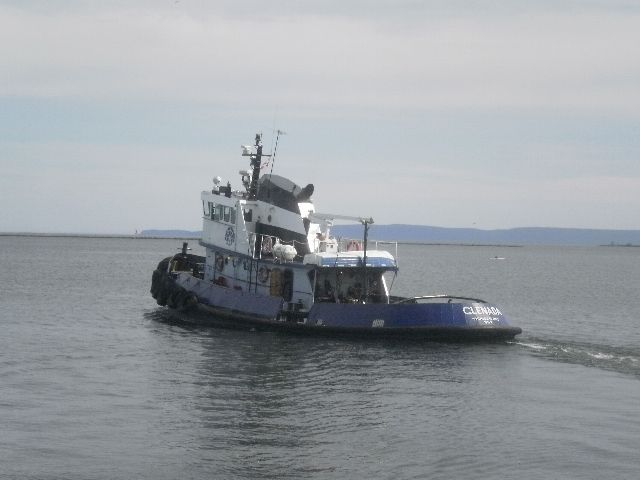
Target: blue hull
457,321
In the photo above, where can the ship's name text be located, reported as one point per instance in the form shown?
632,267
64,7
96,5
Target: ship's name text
481,310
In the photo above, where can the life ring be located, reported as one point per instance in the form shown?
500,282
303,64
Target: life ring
267,244
353,245
263,274
219,263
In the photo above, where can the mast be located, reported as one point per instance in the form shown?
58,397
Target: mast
365,222
256,159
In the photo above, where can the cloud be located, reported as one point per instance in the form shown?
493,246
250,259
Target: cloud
499,113
310,60
75,188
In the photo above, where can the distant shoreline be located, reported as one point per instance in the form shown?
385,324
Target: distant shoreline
415,235
619,245
95,235
168,237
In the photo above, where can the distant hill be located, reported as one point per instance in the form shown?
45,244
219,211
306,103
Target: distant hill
473,236
171,233
513,236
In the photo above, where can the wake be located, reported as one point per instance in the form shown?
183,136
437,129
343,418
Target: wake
625,360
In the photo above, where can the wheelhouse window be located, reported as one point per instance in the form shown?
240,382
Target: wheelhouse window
221,213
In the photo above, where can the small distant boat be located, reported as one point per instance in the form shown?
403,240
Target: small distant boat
497,258
272,263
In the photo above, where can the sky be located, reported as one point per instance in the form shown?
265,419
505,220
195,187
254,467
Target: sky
115,115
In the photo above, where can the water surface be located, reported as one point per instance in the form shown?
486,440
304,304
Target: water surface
98,382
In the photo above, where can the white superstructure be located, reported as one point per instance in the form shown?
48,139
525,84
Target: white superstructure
268,239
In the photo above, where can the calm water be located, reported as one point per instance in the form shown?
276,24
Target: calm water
97,382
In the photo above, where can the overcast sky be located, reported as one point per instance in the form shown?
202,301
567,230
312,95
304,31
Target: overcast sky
114,115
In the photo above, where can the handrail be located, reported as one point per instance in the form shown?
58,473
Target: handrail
389,242
425,297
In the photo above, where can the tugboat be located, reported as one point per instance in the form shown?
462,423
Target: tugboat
272,263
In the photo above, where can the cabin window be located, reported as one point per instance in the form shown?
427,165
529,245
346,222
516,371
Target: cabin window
221,213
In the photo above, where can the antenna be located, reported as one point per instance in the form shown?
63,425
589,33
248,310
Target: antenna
275,149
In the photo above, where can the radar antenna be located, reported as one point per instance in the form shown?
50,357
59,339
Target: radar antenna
275,149
256,158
